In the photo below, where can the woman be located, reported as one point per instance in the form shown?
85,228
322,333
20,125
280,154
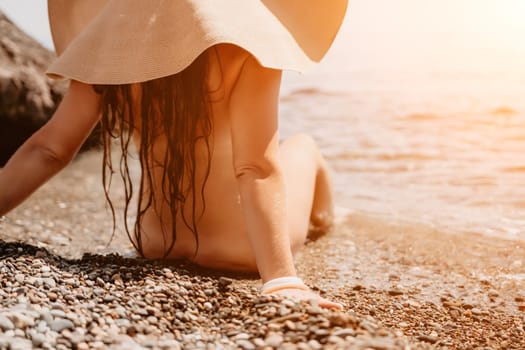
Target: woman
195,86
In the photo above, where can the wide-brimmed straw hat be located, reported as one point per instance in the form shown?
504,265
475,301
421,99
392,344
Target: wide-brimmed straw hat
128,41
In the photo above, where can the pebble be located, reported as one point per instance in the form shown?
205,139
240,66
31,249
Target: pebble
343,333
22,321
314,344
169,308
493,293
428,338
5,323
49,282
18,343
290,325
19,278
100,282
395,292
476,311
274,340
52,296
245,344
38,339
59,324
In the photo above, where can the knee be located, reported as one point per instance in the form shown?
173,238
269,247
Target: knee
303,138
305,142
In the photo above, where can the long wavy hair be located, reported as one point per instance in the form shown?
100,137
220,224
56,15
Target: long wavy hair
175,107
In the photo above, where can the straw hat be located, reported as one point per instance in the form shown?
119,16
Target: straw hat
127,41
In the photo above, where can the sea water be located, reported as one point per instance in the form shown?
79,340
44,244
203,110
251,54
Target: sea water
447,148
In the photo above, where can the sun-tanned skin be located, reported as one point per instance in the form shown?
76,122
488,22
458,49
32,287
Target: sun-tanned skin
260,195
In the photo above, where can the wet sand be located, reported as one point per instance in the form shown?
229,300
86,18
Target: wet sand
403,285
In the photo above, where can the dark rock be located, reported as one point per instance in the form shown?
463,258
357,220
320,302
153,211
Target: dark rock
28,98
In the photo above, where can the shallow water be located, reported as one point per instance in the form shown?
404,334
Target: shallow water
443,149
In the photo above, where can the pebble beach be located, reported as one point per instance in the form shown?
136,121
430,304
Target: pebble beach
423,122
65,284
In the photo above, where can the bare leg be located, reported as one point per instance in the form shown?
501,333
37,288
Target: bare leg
308,188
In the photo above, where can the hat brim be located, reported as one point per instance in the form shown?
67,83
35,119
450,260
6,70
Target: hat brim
128,41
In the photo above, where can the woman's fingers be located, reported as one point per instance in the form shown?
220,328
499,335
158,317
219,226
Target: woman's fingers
307,295
327,304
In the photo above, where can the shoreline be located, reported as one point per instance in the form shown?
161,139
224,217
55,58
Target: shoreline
403,285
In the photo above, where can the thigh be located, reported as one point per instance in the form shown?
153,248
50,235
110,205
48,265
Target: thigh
299,164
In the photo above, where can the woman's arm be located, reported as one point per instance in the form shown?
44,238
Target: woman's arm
255,142
51,148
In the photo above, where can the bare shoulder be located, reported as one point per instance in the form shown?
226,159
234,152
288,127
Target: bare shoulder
225,64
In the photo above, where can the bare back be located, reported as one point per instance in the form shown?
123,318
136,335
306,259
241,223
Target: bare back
221,222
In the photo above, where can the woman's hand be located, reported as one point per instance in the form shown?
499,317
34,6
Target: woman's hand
307,295
292,287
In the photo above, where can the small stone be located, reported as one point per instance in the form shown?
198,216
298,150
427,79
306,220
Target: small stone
46,316
493,293
395,292
343,333
378,344
245,344
49,282
259,343
6,323
22,321
334,339
208,306
358,287
224,281
45,269
38,339
476,311
274,340
58,313
314,310
428,338
60,324
289,303
82,346
141,311
52,296
242,336
19,277
41,254
74,337
170,344
290,325
321,332
315,345
19,344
